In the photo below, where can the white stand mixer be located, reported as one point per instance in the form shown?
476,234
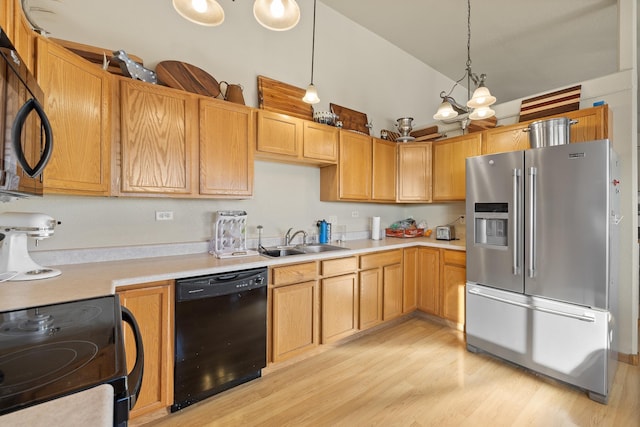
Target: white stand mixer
15,262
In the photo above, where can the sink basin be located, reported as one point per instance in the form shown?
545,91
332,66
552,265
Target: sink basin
280,252
319,248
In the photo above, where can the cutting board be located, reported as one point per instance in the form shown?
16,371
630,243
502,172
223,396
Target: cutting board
180,75
283,98
351,119
95,54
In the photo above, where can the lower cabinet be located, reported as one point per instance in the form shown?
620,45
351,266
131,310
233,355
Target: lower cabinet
380,287
429,280
453,280
293,310
339,301
152,306
370,298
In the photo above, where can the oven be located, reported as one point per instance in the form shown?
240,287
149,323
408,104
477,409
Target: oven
58,350
220,333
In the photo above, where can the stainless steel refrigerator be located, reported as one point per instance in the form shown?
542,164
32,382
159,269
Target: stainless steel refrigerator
542,263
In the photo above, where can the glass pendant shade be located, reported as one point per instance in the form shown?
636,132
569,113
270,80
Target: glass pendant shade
311,96
202,12
481,113
277,15
481,98
445,112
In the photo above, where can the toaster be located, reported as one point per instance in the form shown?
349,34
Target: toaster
445,232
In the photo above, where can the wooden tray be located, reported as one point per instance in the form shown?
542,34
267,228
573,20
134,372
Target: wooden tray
283,98
95,54
557,102
351,119
180,75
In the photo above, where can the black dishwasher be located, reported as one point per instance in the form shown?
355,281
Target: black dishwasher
220,333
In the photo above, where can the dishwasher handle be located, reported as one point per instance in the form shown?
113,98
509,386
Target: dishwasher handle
218,285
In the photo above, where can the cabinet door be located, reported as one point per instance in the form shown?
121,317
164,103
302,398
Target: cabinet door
453,281
506,138
293,328
79,108
429,280
320,142
392,291
152,306
278,134
227,135
159,133
453,285
414,172
339,313
370,298
355,166
449,158
23,36
593,123
384,170
410,278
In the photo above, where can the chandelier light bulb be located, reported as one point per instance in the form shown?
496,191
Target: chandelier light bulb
482,113
199,6
277,8
311,96
445,112
481,98
202,12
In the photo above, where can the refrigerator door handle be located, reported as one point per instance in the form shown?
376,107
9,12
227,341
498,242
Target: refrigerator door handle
587,317
533,172
516,216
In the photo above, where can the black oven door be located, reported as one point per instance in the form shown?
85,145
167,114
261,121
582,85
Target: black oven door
25,131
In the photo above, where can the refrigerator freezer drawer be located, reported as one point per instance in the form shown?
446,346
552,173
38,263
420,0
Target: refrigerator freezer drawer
567,342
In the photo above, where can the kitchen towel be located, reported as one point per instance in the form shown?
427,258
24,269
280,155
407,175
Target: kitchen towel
375,228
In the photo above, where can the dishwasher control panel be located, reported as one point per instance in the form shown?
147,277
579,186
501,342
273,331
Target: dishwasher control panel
220,284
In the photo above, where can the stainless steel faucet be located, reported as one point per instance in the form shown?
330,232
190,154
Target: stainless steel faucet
289,237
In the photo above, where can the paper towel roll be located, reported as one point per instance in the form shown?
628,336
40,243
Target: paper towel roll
375,228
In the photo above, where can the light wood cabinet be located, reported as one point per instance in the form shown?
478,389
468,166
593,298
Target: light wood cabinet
414,172
384,170
293,311
380,287
429,280
453,281
22,36
159,136
410,279
355,166
593,123
227,135
290,139
79,107
152,306
339,301
449,158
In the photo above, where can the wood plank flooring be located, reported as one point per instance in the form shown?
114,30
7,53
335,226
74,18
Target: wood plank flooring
413,373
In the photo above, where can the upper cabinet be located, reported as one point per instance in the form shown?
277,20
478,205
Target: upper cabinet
290,139
414,172
79,106
227,135
449,158
158,139
350,179
592,123
384,170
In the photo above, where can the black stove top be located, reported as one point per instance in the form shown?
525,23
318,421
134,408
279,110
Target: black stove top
51,351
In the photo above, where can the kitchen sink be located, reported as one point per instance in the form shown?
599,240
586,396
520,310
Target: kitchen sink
313,249
280,252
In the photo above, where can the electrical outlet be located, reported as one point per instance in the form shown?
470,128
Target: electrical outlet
462,220
333,219
355,214
164,215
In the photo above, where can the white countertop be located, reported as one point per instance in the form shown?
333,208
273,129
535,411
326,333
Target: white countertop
79,281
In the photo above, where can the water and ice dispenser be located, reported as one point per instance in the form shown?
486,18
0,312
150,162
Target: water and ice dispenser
491,224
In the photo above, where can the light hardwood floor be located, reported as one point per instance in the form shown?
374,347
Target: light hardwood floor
413,373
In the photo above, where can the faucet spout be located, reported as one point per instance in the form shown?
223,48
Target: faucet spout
289,237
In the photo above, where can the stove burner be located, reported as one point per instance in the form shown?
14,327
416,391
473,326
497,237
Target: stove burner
47,363
47,320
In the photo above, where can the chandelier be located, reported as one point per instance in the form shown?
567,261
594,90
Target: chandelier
477,108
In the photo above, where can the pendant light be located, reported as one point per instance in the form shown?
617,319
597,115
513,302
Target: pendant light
311,96
477,108
277,15
202,12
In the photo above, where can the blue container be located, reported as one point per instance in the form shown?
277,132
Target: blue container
323,231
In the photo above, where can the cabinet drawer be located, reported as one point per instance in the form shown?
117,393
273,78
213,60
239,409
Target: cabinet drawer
335,267
455,257
294,273
380,259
